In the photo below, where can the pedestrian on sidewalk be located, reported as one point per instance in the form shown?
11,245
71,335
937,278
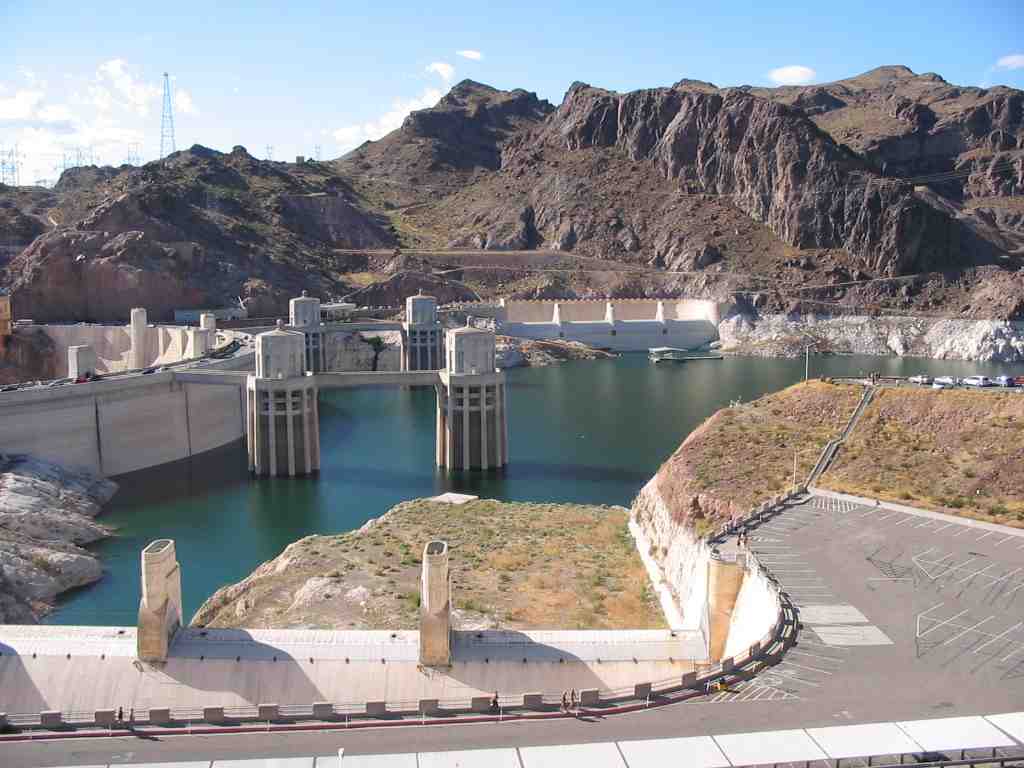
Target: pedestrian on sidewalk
572,698
565,701
120,714
494,702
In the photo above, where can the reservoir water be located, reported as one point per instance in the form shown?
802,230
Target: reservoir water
588,431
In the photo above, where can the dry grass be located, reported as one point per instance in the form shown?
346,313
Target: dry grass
744,454
958,451
514,566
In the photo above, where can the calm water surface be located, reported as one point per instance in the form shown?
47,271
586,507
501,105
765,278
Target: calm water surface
589,431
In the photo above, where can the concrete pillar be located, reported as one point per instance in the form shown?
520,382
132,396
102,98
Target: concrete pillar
660,316
435,606
609,313
81,361
471,414
198,342
138,357
283,429
160,607
724,582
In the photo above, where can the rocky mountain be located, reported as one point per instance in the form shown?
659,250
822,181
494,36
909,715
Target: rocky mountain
202,228
889,191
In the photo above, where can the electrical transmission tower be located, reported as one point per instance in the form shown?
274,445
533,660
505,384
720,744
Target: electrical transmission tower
316,152
10,166
270,151
167,121
134,154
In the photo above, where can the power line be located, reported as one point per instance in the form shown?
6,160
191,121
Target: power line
167,121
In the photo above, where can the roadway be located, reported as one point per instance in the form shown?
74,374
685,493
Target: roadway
905,616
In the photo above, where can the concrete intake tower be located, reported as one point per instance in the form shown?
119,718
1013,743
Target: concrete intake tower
472,421
283,427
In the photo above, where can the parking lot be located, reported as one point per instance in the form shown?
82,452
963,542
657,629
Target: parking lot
895,607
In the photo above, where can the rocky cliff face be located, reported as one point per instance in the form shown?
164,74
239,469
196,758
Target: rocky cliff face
46,516
766,159
774,335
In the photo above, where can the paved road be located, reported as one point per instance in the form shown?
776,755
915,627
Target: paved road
905,617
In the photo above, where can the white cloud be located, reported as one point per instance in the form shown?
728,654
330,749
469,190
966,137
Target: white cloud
183,102
55,113
793,74
1013,61
351,136
136,95
470,54
20,106
445,70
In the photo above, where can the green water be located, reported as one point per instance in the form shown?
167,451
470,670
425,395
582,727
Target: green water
592,431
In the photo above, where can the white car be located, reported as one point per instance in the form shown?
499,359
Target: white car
942,382
1005,381
920,379
977,381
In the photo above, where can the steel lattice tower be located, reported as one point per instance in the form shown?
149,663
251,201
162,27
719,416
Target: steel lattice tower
167,121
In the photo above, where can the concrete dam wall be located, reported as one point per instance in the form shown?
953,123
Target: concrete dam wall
623,325
113,344
114,427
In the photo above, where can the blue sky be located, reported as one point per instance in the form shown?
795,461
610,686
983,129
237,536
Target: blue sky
293,75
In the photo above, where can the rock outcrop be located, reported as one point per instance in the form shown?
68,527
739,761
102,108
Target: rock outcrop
774,335
46,518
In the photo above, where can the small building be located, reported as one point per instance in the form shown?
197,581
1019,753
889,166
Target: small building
6,319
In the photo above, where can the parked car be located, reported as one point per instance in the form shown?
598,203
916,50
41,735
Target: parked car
944,382
1005,381
920,379
977,381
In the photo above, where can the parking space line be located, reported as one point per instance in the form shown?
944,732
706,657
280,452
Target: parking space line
997,637
1005,576
944,527
977,573
886,517
926,522
1003,540
789,663
817,655
907,519
958,636
941,623
985,535
1013,652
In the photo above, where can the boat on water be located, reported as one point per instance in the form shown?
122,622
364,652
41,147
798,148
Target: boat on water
676,355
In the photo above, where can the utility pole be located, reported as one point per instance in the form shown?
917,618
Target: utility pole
807,369
167,121
795,452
